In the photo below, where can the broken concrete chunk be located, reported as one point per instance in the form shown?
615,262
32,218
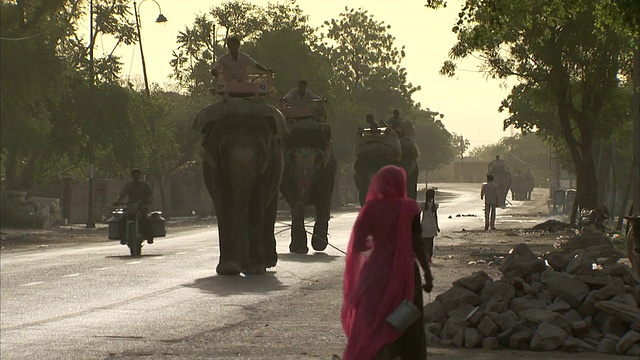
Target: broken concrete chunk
457,296
490,343
606,346
519,304
559,305
538,316
629,339
556,260
434,312
474,316
566,286
474,282
497,291
520,340
548,337
626,299
488,327
433,328
472,337
572,344
582,327
623,312
615,287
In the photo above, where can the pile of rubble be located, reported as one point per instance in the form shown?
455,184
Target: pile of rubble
578,298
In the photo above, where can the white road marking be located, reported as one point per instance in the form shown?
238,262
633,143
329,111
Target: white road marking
33,283
134,262
158,257
71,275
105,268
181,253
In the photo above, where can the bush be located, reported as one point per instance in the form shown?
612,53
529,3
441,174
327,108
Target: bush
17,214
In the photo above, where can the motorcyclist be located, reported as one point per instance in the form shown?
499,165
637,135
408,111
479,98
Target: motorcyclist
138,192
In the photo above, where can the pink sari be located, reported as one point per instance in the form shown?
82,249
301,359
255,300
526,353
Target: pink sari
379,271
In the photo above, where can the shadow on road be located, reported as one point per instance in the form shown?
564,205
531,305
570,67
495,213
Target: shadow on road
129,257
236,285
308,258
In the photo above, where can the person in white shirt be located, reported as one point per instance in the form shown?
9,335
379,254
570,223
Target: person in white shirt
300,94
489,193
235,63
429,223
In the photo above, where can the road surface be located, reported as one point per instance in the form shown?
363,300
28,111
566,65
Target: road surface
93,301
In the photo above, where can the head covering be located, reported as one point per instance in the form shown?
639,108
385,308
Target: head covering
379,271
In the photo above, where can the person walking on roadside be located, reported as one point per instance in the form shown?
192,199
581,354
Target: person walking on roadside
429,223
381,273
489,193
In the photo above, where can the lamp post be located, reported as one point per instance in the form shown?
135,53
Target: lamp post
91,223
161,19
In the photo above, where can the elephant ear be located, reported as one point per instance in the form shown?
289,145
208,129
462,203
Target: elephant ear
278,124
206,116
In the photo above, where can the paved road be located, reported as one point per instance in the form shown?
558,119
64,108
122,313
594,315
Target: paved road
90,301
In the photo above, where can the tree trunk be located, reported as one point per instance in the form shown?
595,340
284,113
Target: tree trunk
636,127
10,170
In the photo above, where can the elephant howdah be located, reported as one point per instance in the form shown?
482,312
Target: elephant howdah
308,179
378,147
242,168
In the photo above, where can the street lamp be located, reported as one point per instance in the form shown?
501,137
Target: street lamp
161,19
91,223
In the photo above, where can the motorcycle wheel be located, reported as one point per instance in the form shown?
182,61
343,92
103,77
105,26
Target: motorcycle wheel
135,244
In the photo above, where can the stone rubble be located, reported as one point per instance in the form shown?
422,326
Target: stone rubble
581,299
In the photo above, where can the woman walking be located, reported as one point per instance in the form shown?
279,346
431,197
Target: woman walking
430,228
381,273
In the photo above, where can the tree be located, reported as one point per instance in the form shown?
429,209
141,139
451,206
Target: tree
366,62
44,72
433,140
572,51
460,145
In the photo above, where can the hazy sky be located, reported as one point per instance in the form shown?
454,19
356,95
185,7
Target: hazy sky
469,100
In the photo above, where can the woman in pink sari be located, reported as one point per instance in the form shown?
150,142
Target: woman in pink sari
381,272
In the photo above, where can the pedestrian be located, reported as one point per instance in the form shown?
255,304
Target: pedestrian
490,194
381,275
429,223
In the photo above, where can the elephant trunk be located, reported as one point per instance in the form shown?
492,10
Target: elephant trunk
243,168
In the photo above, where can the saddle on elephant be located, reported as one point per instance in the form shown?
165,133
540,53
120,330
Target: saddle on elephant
242,84
313,109
239,107
381,141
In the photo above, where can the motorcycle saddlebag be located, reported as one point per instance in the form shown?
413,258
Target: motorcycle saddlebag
157,224
115,227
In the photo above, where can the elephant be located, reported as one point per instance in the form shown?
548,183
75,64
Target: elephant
502,177
308,179
376,148
518,186
242,168
529,182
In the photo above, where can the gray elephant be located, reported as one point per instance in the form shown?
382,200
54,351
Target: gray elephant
308,178
242,167
379,147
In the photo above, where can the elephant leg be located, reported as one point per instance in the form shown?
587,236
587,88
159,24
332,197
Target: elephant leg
270,255
319,240
255,261
298,232
221,200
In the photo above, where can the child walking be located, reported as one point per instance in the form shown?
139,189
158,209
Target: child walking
430,228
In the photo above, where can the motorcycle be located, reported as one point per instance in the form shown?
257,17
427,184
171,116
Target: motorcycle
593,217
125,225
